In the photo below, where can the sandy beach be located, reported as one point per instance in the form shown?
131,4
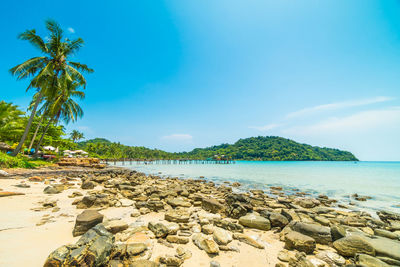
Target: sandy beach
36,223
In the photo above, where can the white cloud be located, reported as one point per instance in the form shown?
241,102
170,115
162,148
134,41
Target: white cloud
71,30
358,122
266,128
178,137
338,105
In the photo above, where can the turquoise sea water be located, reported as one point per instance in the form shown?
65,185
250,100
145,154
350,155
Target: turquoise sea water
380,180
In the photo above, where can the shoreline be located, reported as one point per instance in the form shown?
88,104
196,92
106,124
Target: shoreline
150,198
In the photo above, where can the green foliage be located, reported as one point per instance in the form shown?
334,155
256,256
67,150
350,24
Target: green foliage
269,148
20,161
11,122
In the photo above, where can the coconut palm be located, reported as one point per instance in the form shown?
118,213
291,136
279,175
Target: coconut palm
76,135
63,107
47,69
11,123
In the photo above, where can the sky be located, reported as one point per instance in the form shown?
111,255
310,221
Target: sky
181,74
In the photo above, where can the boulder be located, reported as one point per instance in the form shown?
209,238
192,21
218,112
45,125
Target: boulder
126,202
52,189
384,247
366,260
178,216
159,229
353,244
178,202
177,239
321,234
115,226
388,215
300,260
88,184
86,220
300,242
252,220
221,236
212,205
4,173
332,258
206,244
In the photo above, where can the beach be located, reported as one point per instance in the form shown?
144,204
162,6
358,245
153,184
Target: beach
182,222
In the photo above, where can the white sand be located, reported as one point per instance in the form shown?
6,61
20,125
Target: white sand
22,243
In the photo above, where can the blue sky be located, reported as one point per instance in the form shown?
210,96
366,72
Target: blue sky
182,74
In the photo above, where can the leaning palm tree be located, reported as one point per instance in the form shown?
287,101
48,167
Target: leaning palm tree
63,107
46,70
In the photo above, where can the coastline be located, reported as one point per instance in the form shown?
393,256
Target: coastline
151,197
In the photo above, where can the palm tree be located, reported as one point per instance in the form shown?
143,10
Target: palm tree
46,70
11,121
63,106
76,135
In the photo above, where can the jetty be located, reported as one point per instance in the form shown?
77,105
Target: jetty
125,161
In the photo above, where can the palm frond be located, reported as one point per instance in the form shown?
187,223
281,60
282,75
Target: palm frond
81,67
34,39
73,46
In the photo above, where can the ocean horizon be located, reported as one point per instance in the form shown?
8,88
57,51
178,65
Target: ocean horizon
379,180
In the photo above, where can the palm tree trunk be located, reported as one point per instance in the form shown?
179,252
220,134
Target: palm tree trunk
34,135
43,134
28,126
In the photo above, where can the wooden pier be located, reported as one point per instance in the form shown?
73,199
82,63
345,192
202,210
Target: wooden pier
166,161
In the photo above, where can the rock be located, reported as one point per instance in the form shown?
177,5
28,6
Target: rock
178,202
115,226
248,240
230,225
387,234
171,261
88,185
143,263
135,213
212,205
86,220
331,258
135,248
22,185
183,253
252,220
35,179
300,242
179,216
4,173
306,202
388,215
321,234
126,202
384,247
9,194
366,260
214,264
337,232
300,261
206,244
154,205
284,256
159,229
52,190
208,229
221,236
352,245
278,220
177,239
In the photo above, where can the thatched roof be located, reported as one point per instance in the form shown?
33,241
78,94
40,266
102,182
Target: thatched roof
4,147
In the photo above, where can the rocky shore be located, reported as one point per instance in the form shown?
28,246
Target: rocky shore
119,217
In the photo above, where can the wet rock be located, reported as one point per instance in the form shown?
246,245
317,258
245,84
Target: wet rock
388,215
221,236
248,240
255,221
352,245
300,242
86,220
321,234
212,205
306,202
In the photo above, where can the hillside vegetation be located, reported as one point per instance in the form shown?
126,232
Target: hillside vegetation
269,148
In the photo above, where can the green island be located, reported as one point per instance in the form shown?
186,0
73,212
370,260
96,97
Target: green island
266,148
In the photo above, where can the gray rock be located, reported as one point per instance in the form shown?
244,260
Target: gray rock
252,220
214,264
52,190
86,220
366,260
353,244
88,185
159,229
321,234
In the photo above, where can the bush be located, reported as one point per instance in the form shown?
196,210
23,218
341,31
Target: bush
19,161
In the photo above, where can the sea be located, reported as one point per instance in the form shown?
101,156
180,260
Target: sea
336,179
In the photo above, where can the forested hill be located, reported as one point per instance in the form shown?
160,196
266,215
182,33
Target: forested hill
271,148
